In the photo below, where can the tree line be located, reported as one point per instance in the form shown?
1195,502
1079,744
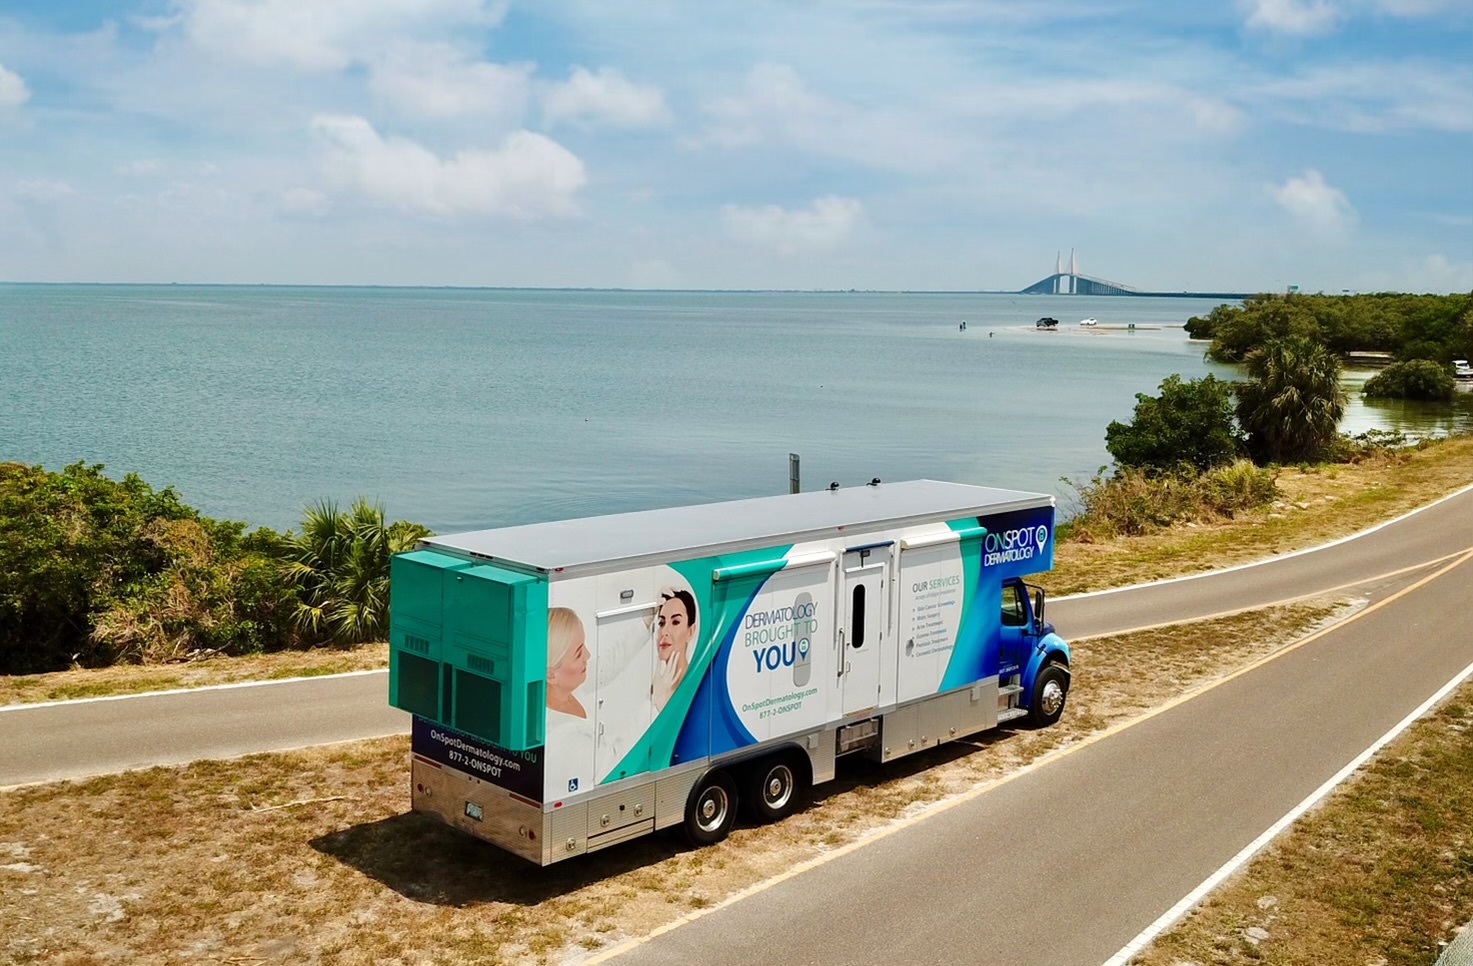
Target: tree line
1422,333
1208,449
96,571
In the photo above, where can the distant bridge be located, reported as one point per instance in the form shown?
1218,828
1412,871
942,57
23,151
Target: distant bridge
1072,282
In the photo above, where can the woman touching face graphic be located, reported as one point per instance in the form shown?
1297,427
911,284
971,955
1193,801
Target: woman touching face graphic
674,629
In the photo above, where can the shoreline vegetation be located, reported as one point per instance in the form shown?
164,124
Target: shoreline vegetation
1407,328
1128,528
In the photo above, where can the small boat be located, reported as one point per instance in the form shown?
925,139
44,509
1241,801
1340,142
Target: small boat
1089,322
1462,371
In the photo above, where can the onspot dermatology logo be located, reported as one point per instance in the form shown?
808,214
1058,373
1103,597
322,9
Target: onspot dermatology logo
1007,546
780,637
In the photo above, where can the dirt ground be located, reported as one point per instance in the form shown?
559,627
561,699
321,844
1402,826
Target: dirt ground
313,857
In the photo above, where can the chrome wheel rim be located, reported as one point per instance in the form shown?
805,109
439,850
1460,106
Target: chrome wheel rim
1052,698
712,808
777,790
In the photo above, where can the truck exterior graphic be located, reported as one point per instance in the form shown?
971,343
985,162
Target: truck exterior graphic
579,683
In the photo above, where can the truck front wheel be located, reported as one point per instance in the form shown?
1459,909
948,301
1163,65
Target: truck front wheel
711,811
1050,691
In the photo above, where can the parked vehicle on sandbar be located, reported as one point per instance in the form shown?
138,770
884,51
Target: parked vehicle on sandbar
1046,323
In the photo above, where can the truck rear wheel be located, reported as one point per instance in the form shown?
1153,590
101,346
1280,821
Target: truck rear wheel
1050,691
711,811
776,788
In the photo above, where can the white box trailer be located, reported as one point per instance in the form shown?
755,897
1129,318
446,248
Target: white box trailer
580,683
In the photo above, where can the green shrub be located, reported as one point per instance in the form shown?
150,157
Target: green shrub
1374,444
1417,379
95,571
1190,422
202,599
1134,502
71,543
339,565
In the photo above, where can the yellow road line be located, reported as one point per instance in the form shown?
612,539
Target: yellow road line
1275,603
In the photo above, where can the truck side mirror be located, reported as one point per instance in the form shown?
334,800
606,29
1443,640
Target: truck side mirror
1038,610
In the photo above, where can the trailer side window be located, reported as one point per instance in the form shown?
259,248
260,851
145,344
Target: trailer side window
856,618
1014,609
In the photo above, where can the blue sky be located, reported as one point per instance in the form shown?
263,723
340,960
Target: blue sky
885,144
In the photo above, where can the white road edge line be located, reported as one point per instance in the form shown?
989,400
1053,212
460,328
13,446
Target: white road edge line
1171,915
206,687
1267,560
4,789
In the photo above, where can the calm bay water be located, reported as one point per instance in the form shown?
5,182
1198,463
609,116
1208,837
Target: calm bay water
472,408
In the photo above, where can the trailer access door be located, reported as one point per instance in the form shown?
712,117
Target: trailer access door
863,624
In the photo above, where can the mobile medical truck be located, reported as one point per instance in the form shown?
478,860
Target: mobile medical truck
580,683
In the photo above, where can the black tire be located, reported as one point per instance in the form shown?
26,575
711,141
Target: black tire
1050,692
775,787
711,810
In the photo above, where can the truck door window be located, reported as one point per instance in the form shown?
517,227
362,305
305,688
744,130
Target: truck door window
856,618
1014,608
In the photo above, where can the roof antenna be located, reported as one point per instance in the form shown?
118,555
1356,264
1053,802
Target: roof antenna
834,485
875,481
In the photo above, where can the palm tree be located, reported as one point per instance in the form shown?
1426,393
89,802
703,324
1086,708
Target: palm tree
339,565
1292,403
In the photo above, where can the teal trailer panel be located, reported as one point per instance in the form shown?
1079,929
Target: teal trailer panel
468,647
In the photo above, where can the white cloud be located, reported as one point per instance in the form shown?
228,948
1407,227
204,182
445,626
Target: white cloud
322,35
777,105
1315,202
1437,273
826,223
528,176
13,89
142,167
1420,8
439,80
775,95
604,97
303,201
1377,96
1292,16
43,191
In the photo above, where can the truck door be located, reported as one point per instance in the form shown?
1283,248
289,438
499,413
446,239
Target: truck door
626,662
1017,627
863,617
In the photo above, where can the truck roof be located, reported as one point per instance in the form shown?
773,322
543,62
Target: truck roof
679,533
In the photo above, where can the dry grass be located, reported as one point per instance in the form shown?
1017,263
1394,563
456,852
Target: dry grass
1318,504
215,861
1378,874
133,678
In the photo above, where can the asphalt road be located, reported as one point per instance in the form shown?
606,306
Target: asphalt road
74,739
1069,862
1436,532
77,739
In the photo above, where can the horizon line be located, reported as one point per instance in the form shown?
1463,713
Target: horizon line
618,288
